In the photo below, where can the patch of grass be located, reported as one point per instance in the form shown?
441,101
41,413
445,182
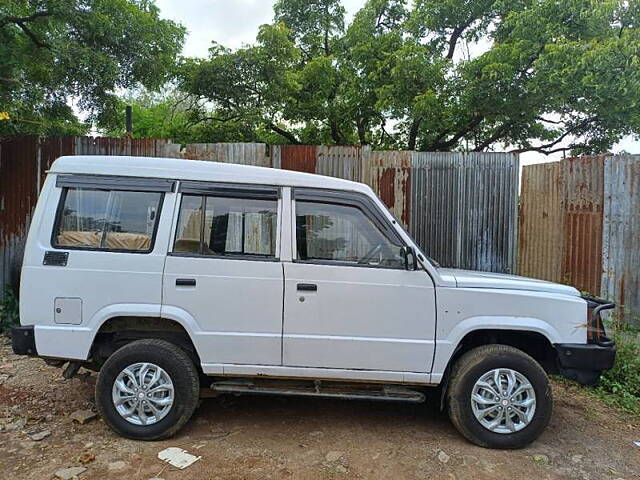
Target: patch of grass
9,315
620,386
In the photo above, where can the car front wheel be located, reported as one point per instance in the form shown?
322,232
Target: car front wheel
499,397
147,390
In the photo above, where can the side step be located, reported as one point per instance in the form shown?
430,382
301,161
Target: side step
317,388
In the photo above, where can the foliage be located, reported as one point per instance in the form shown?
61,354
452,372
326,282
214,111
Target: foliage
55,52
455,74
8,310
621,384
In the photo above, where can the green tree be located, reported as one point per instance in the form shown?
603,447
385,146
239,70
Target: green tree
55,52
522,75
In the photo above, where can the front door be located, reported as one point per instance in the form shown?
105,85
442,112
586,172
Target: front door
224,272
350,303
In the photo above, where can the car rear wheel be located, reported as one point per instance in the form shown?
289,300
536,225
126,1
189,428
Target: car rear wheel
499,397
147,390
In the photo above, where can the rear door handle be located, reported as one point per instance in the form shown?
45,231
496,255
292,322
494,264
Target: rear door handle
307,287
185,282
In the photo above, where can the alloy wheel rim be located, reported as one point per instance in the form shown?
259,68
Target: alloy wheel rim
143,393
503,401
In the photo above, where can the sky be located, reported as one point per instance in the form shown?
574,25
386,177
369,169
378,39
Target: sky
233,23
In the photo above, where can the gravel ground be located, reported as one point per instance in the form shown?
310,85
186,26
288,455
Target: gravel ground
271,437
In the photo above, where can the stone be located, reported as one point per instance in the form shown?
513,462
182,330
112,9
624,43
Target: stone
88,445
443,457
68,473
333,456
576,458
36,437
83,416
116,466
341,469
86,458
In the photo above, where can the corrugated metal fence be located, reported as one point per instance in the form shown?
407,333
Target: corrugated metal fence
580,224
461,208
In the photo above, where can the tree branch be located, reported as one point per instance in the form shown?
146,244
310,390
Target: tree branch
545,148
280,131
497,134
28,18
473,123
33,36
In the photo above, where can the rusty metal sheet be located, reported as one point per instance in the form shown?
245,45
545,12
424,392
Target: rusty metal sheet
301,158
18,194
621,235
582,262
389,175
561,222
239,153
541,235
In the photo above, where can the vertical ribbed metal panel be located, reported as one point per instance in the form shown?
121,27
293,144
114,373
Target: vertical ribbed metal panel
240,153
339,161
389,175
490,182
621,235
464,208
436,202
19,176
561,222
541,236
300,158
582,262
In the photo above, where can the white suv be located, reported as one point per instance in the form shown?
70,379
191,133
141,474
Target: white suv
168,276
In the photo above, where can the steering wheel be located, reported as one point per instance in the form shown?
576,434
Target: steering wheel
372,253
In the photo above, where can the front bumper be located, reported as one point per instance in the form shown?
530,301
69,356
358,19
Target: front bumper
585,362
23,340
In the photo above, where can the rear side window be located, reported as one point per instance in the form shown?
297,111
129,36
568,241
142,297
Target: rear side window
98,219
227,226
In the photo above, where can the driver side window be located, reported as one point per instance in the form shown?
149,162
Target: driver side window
344,234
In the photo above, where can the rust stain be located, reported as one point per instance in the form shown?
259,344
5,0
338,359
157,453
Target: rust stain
301,158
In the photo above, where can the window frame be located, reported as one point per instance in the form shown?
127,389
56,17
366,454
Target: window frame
346,199
97,186
227,190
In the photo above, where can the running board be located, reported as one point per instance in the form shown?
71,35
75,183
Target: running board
347,391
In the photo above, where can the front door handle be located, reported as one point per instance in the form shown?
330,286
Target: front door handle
185,282
307,287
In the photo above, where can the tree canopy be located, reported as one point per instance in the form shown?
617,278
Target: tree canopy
57,52
522,75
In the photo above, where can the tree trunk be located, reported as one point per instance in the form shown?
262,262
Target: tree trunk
413,133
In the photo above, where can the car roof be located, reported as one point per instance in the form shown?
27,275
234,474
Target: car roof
179,169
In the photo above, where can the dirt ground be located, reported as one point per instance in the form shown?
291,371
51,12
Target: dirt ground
272,437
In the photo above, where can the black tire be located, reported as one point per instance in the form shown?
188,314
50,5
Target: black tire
469,368
178,366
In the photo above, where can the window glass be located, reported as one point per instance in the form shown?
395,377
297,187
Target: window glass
232,226
189,229
107,220
340,233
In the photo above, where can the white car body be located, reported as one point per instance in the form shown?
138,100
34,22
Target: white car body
246,318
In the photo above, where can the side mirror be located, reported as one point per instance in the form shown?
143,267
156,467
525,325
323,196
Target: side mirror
410,264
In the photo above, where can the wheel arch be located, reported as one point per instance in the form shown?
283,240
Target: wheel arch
118,330
533,343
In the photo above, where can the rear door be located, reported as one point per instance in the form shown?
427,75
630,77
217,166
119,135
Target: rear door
350,303
224,272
